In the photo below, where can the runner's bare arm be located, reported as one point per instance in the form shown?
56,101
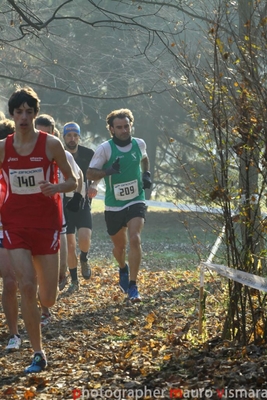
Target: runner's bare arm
80,182
56,152
95,174
145,164
92,190
2,151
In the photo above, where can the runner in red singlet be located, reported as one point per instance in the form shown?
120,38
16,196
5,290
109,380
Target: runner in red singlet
31,213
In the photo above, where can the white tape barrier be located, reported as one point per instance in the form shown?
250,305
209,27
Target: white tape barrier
254,281
245,278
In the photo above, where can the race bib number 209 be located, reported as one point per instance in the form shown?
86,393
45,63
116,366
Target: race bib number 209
126,190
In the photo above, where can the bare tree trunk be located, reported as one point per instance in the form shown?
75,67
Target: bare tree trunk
248,255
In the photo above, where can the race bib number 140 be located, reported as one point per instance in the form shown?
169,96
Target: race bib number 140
26,181
126,190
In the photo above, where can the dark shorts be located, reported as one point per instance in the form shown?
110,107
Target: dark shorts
79,219
64,229
1,244
115,220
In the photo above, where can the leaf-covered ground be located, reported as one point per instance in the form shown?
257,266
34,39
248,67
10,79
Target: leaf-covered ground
100,346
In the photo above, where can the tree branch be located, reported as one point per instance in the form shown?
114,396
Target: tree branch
77,94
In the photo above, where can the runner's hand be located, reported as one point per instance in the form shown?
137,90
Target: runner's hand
92,192
147,182
48,189
114,168
74,203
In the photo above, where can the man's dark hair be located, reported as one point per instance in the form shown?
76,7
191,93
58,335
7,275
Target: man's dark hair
21,96
7,127
121,113
45,120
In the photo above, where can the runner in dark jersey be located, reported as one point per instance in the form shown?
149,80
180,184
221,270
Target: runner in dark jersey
80,221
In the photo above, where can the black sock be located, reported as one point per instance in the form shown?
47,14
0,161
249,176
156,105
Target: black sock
84,256
132,283
73,274
124,269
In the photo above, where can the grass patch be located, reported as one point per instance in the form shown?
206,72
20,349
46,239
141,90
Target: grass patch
177,258
174,239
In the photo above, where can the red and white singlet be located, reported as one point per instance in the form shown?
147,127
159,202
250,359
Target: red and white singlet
24,204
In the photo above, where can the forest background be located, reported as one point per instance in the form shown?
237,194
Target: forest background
194,74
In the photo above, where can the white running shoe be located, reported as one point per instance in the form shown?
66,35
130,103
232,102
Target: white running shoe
14,343
45,319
